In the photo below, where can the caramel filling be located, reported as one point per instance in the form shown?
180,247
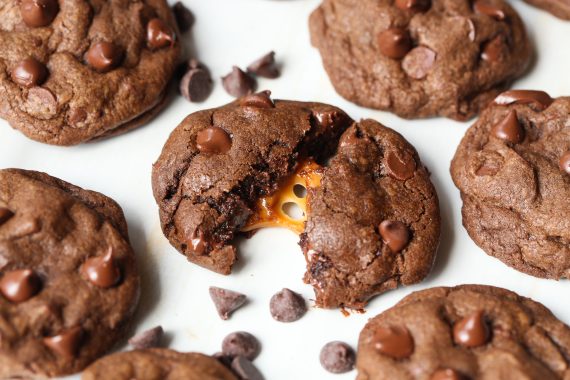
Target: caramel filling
277,210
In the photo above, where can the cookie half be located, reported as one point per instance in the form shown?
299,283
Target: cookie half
559,8
464,332
68,280
369,217
513,171
71,72
420,58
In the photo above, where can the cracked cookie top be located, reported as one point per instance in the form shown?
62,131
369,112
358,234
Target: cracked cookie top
73,71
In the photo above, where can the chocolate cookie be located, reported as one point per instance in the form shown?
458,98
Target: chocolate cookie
465,332
157,364
420,58
559,8
68,279
370,214
71,72
513,171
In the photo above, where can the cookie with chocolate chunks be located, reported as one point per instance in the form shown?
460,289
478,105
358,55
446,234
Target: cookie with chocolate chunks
462,333
421,58
68,280
559,8
370,217
157,363
78,71
513,171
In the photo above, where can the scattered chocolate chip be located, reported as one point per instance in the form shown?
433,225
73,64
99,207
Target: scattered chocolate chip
238,84
472,331
147,339
447,374
394,341
394,43
287,306
265,66
102,271
245,369
241,343
159,35
212,140
418,62
20,285
5,215
103,56
401,166
29,73
37,13
494,50
76,116
226,301
414,5
184,17
509,129
337,357
260,100
486,8
540,99
564,166
42,101
196,85
395,235
67,343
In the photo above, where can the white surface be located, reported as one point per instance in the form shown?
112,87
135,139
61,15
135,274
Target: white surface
175,292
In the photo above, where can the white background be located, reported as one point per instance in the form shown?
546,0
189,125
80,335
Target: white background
175,292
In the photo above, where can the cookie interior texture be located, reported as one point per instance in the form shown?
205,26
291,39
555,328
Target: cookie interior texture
62,321
423,58
78,102
515,193
559,8
373,175
157,364
508,337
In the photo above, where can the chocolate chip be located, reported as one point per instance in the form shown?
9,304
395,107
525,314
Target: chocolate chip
447,374
42,101
539,99
184,17
418,62
472,331
265,66
260,100
564,164
486,8
5,215
102,271
37,13
226,301
238,84
20,285
394,43
509,129
413,5
337,357
394,341
241,343
401,165
198,242
196,85
287,306
212,140
494,50
103,56
77,115
245,369
67,343
395,235
159,35
147,339
29,73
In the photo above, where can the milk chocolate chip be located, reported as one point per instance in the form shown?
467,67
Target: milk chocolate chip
37,13
394,341
472,331
29,73
265,66
418,62
401,166
413,5
260,100
564,164
509,129
395,235
394,43
102,271
494,50
226,301
67,343
237,83
103,56
213,140
486,8
539,99
159,35
20,285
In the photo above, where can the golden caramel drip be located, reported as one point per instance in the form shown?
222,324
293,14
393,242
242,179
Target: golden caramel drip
270,209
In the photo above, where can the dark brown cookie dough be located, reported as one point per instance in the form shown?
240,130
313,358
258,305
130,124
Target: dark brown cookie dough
71,72
465,332
68,279
373,218
420,58
157,364
559,8
513,171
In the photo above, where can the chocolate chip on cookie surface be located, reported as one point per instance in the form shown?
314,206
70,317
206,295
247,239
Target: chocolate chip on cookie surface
84,70
68,280
512,171
421,58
